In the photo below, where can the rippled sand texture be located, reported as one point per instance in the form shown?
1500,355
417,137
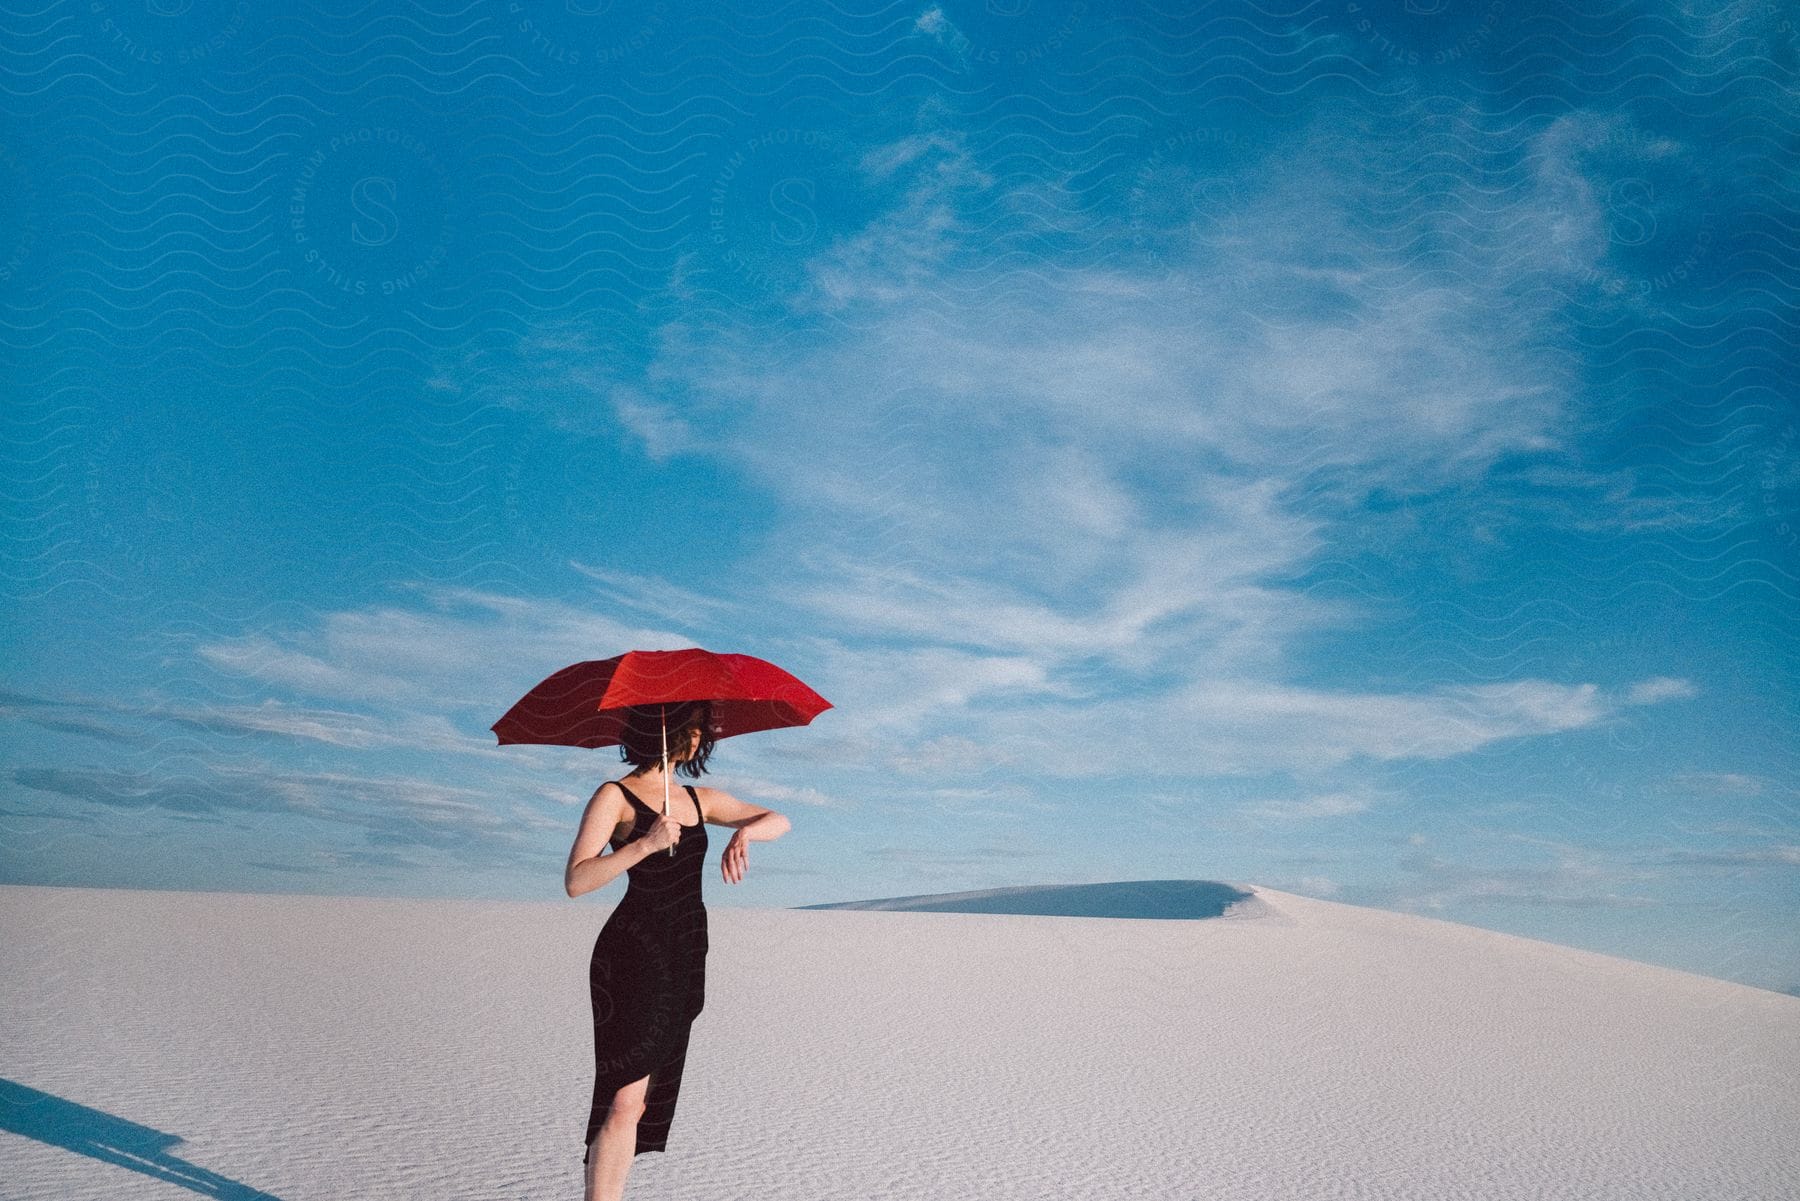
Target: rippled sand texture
164,1045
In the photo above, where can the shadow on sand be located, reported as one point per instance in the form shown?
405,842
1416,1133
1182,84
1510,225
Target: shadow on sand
1177,899
99,1135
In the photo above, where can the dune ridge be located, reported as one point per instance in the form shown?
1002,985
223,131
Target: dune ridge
1143,899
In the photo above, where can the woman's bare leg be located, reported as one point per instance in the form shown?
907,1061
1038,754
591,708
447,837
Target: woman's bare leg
609,1159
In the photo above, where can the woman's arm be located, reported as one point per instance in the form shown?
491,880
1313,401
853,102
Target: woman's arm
766,826
600,870
753,823
591,865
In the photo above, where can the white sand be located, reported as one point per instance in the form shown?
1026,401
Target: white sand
339,1049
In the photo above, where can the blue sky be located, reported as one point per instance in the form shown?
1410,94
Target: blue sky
1347,448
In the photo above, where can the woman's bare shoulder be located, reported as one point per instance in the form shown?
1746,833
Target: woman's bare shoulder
610,799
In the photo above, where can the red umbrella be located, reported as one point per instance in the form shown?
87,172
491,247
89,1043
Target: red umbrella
584,703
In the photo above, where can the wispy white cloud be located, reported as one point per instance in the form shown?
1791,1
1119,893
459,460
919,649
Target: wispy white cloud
133,720
418,817
941,30
661,430
576,380
1786,855
1117,413
1336,804
461,652
671,604
932,21
1661,688
1167,598
1723,783
914,705
774,792
925,705
409,729
1247,726
1576,878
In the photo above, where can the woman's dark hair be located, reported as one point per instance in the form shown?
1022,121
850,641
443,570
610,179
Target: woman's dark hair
641,737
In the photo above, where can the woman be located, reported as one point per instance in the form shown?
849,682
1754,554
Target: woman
647,977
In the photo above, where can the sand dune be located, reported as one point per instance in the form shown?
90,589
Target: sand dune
1160,899
167,1045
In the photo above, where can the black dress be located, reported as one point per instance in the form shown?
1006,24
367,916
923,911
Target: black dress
647,978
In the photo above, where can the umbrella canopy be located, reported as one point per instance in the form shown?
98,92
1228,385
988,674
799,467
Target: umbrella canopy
584,703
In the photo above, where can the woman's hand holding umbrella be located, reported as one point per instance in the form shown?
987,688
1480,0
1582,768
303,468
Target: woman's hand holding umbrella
665,833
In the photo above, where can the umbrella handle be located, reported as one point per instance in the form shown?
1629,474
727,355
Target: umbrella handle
665,740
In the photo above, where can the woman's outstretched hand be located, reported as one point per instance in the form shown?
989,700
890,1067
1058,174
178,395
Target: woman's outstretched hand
735,859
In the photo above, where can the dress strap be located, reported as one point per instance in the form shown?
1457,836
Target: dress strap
698,812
